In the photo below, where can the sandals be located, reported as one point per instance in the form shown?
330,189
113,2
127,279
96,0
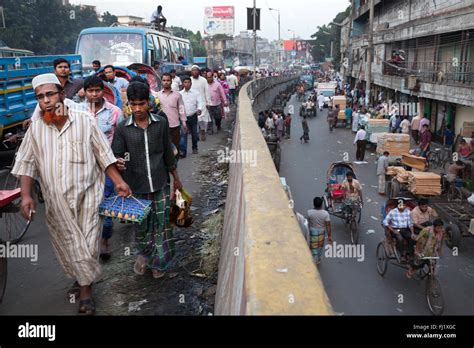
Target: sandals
74,290
87,307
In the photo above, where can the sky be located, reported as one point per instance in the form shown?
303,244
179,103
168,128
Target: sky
301,16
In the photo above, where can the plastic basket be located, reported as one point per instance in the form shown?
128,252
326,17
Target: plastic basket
127,209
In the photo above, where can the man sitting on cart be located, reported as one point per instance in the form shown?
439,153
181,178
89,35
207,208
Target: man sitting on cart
352,192
399,225
422,215
429,243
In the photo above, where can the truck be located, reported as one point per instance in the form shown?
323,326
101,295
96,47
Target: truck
328,90
17,98
203,62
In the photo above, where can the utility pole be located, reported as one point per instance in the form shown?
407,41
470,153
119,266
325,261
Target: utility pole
255,39
279,33
370,50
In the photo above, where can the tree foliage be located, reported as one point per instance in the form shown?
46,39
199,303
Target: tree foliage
45,26
108,19
323,37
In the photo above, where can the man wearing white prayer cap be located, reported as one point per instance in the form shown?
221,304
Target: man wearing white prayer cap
67,153
200,86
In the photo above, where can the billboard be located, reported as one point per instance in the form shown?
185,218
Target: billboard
295,45
219,12
214,26
219,20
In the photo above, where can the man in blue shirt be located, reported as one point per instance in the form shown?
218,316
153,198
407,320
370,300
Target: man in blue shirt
399,225
183,60
448,137
119,82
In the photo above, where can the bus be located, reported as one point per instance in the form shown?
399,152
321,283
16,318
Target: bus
7,52
122,46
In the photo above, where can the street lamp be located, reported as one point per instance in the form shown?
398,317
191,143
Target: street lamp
294,41
279,31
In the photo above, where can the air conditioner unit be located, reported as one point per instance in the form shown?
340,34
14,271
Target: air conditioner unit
383,26
411,82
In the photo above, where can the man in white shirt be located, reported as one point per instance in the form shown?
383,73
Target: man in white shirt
194,105
200,86
361,143
405,125
175,81
233,84
321,101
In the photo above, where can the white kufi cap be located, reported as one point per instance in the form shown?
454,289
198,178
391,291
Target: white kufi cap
45,79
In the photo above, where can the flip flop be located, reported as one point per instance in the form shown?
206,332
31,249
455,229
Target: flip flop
409,274
87,307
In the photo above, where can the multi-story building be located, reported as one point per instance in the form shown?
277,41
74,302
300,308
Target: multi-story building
423,57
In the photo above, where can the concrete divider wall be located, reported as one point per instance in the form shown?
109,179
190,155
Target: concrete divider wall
265,266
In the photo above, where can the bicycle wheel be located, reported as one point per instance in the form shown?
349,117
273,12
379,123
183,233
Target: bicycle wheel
382,259
12,225
3,277
354,231
454,194
434,295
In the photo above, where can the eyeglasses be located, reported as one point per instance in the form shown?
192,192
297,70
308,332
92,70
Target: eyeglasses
49,95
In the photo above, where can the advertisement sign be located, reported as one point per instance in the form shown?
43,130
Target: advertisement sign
298,45
219,12
214,26
219,20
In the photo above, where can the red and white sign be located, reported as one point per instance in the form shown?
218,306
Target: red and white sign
219,12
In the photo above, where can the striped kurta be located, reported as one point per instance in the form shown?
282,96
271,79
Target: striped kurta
70,165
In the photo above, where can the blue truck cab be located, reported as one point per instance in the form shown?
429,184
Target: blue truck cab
17,97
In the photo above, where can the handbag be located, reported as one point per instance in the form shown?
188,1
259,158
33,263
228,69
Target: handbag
180,213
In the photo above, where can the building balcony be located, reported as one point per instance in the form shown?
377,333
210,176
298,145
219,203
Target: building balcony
442,73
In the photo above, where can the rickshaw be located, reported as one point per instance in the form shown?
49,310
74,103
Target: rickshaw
334,198
387,252
15,228
308,108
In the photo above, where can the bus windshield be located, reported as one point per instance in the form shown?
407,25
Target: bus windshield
118,49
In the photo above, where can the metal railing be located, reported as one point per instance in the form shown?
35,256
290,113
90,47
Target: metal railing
449,73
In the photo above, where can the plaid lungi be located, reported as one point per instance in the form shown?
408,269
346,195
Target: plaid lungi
316,237
382,183
154,235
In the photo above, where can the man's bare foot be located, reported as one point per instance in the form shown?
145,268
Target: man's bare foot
140,265
157,274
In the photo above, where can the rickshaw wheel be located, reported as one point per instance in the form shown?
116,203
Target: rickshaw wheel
382,259
434,295
3,277
453,235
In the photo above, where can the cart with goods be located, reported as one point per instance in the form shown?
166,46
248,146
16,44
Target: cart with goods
458,219
395,144
340,101
418,184
375,128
